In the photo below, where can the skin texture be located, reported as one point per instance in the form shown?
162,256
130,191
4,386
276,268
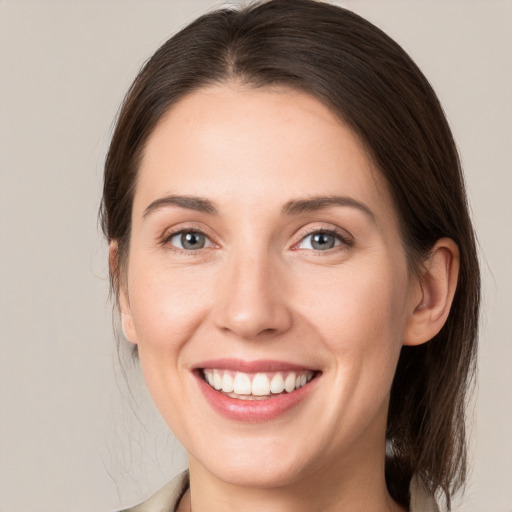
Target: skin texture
259,290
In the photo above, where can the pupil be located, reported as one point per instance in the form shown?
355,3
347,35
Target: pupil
322,241
192,240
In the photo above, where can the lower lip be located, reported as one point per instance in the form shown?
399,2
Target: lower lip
254,411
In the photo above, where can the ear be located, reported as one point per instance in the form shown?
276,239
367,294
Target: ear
121,290
436,288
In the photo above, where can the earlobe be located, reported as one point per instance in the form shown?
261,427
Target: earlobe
437,282
121,291
128,328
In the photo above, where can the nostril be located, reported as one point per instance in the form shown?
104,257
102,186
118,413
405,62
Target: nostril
258,322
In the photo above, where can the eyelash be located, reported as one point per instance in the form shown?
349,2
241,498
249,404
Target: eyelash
346,242
169,236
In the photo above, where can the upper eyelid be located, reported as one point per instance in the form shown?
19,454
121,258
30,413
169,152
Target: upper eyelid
172,231
335,230
210,243
343,240
165,239
169,234
300,234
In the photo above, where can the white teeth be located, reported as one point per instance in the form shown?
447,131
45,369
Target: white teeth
209,377
257,385
227,383
242,384
277,384
217,380
289,383
260,385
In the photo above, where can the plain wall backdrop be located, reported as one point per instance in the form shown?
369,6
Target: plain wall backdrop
73,435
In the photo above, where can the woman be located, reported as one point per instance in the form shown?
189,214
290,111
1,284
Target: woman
294,263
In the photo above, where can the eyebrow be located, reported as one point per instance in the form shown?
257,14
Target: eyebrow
294,207
309,204
189,202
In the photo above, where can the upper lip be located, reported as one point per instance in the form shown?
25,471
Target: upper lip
260,365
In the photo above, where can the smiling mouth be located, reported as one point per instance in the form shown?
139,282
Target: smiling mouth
256,386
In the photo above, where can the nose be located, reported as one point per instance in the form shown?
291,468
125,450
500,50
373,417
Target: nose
252,299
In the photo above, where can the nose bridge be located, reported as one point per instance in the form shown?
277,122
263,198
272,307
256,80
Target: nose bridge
252,302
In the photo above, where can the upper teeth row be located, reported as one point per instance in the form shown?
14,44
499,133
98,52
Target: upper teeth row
259,384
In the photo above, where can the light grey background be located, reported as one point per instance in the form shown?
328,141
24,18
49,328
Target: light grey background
70,437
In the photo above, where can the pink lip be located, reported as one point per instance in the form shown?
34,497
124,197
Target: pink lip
252,411
239,365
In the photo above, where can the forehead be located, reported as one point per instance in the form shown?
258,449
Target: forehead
256,147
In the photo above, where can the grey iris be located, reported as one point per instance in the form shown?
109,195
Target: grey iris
191,240
322,241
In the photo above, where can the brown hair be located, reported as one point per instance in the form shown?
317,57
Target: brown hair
373,85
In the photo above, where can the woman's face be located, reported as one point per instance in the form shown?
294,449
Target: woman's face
265,256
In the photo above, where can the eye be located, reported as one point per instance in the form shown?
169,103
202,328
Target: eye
189,240
322,241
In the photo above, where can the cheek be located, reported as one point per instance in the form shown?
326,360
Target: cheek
354,301
361,321
166,304
359,313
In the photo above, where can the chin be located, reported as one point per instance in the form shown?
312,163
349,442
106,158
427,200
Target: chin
262,463
262,474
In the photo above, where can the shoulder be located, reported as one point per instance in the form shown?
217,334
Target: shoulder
165,499
421,500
